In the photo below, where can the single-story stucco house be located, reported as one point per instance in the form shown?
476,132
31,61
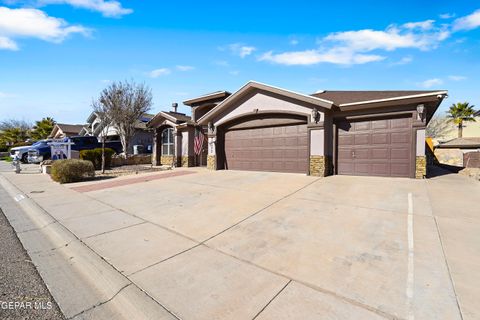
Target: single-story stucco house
143,136
265,128
62,130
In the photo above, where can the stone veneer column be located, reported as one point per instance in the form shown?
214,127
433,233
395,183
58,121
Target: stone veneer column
420,159
212,157
319,162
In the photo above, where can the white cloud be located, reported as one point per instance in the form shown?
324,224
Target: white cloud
403,61
108,8
469,22
430,83
422,25
363,46
8,44
33,23
410,35
184,68
159,72
221,63
447,15
343,56
294,42
457,78
241,50
234,72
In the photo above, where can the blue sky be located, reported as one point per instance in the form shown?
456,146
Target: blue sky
57,55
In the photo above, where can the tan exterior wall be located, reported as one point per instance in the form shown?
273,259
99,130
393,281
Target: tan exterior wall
262,102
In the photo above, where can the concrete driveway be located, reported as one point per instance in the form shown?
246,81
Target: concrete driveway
252,245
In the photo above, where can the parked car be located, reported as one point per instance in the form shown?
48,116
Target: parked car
43,152
23,151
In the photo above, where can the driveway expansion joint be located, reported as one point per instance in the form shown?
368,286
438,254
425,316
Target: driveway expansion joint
445,256
273,298
100,303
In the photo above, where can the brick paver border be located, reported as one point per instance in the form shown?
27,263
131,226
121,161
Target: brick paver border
126,182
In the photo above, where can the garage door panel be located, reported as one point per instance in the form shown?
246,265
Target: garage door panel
402,153
379,168
361,126
403,123
360,139
381,154
283,149
380,124
346,140
382,147
381,138
400,137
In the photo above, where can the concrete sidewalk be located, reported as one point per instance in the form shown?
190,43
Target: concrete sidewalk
251,245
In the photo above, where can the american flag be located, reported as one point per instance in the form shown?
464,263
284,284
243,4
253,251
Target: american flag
198,141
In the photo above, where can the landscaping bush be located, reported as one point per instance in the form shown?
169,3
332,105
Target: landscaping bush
95,156
72,170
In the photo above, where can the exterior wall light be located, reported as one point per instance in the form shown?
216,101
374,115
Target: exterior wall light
315,115
421,110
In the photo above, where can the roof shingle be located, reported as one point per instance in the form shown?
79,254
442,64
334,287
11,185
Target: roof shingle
342,97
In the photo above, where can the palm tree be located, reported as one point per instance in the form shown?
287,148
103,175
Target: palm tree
43,128
461,112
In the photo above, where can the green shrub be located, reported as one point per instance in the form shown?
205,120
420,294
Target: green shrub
95,156
72,170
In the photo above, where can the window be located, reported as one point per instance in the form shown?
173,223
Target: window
167,142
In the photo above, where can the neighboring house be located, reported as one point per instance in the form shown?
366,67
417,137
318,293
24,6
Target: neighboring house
62,130
458,151
265,128
143,136
448,130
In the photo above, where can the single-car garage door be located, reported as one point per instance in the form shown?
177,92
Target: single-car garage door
376,147
278,149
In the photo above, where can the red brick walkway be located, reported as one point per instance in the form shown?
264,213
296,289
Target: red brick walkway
126,182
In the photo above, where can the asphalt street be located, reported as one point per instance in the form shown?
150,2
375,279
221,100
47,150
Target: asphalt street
23,294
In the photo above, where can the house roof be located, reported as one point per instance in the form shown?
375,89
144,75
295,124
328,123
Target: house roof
253,85
70,128
207,97
175,117
461,143
343,98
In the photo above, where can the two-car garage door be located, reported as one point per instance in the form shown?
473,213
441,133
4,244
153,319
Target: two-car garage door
277,148
375,147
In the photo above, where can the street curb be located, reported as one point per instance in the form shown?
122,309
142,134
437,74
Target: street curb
82,283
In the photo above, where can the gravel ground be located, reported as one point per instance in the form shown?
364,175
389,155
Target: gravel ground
20,281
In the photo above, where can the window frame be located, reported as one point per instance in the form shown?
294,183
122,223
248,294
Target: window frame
169,144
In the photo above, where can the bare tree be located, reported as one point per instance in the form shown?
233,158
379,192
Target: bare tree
439,127
103,115
125,102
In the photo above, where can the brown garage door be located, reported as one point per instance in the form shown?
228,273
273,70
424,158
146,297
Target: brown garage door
279,149
380,147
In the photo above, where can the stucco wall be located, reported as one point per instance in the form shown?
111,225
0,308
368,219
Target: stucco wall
317,145
264,102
